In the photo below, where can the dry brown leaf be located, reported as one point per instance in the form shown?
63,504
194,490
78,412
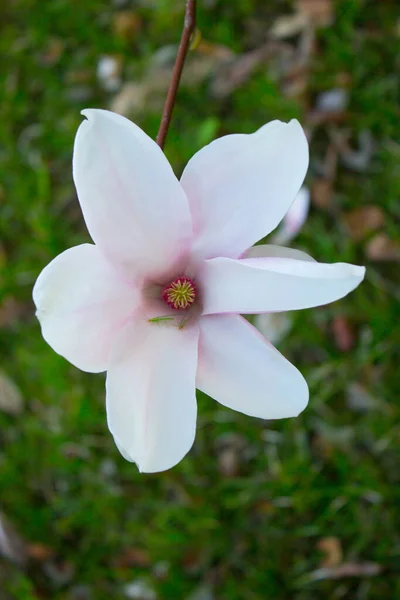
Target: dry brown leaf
234,73
362,221
264,507
202,592
355,157
60,572
149,93
133,557
230,448
367,569
321,192
320,12
12,546
316,118
126,24
228,462
10,397
131,99
296,82
361,400
332,549
52,52
333,101
193,560
10,311
139,589
3,257
40,552
382,248
215,50
288,26
109,69
343,333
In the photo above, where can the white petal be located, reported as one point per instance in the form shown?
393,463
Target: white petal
240,186
254,285
134,207
274,326
151,399
241,370
294,219
81,303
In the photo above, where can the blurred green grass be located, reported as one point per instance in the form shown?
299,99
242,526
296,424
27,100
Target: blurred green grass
334,471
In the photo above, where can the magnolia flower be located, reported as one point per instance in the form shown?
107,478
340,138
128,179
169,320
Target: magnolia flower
156,300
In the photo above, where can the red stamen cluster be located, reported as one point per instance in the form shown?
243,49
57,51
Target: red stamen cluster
180,293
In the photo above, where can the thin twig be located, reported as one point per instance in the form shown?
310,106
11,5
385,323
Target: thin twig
188,29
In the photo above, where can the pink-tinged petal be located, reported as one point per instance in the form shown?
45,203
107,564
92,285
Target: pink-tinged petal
241,370
254,285
294,219
81,303
151,399
240,186
134,207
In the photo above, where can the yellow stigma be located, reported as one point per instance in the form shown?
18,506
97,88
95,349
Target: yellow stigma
180,293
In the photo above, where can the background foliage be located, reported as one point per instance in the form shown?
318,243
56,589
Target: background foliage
300,509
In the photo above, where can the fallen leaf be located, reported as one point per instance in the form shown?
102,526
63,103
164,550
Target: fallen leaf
367,569
149,94
109,72
161,570
131,99
382,248
286,63
60,572
193,560
10,397
288,26
218,51
320,12
10,310
234,73
133,557
52,52
203,592
321,192
362,221
343,333
139,590
126,24
316,117
12,546
40,552
296,82
356,159
332,549
359,399
80,592
230,448
332,101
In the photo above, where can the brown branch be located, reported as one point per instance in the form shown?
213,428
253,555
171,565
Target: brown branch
188,29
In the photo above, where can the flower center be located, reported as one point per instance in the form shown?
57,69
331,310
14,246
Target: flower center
180,293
